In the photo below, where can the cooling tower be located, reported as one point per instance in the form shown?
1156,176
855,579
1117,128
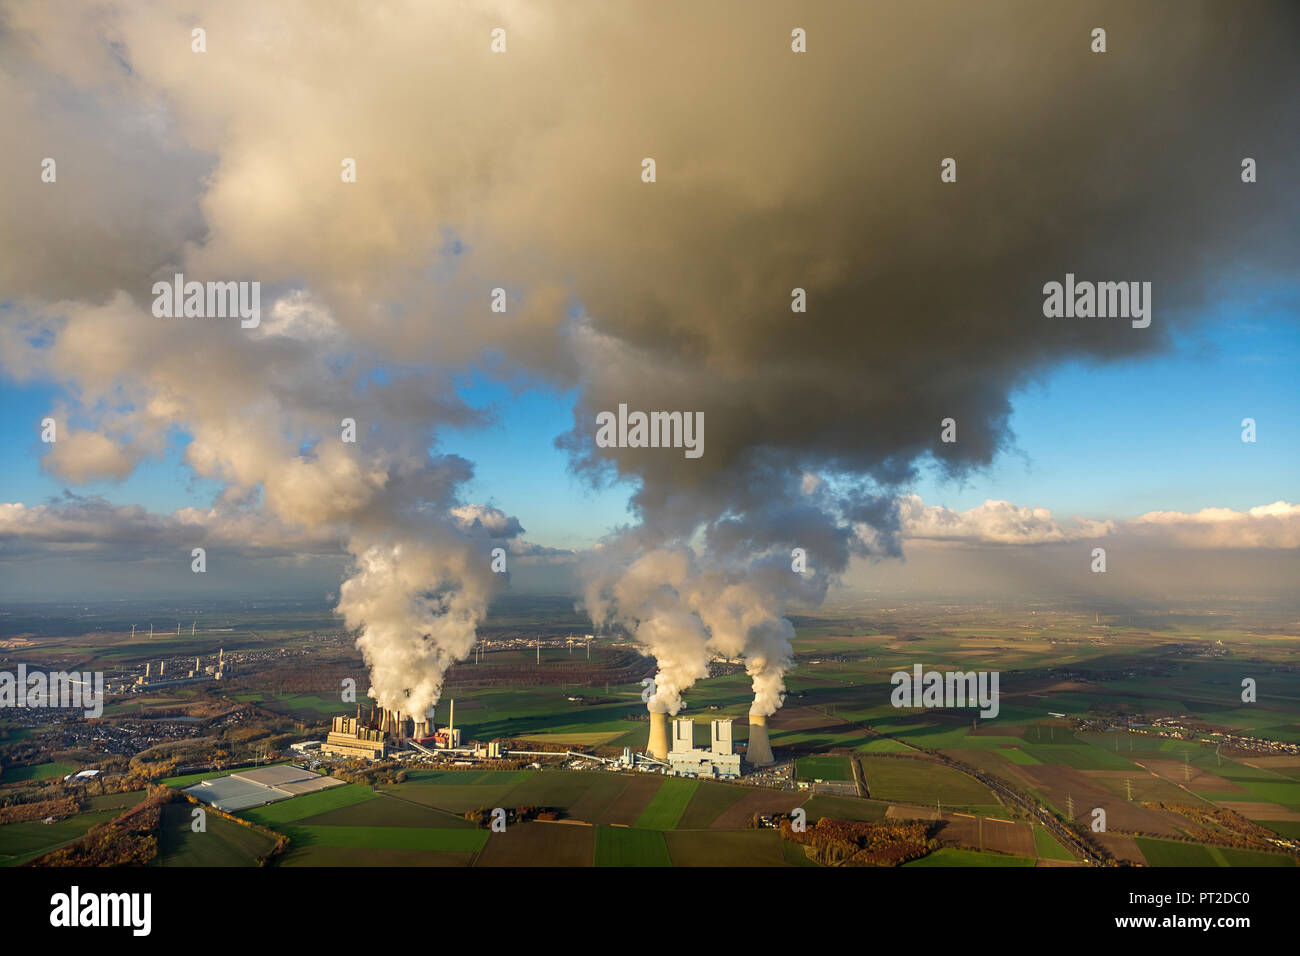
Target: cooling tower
760,748
657,746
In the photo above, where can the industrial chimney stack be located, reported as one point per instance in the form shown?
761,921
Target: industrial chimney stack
760,747
657,746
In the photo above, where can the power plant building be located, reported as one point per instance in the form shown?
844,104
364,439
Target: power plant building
350,737
717,761
384,731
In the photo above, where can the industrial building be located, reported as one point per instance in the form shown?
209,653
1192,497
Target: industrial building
350,737
385,730
257,787
717,761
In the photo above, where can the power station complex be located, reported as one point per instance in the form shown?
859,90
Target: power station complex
385,730
719,760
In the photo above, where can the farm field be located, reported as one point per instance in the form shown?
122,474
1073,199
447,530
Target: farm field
924,783
823,768
668,804
626,846
1172,853
20,842
308,805
224,843
1048,847
42,771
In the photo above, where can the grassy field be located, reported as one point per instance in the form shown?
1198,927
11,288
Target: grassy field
823,768
844,808
40,771
710,800
308,805
388,838
1173,853
20,842
668,804
116,801
386,810
224,843
924,783
628,846
1048,847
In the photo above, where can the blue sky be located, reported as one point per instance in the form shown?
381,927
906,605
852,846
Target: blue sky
1100,441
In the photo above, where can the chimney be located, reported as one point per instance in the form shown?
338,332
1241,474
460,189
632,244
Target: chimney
760,748
657,746
451,717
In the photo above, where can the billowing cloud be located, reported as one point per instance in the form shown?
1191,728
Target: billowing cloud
994,522
1276,525
522,171
1267,526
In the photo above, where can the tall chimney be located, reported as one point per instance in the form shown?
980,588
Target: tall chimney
657,746
451,717
760,748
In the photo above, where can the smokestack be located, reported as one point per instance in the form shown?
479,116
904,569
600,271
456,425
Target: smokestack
451,716
760,748
657,746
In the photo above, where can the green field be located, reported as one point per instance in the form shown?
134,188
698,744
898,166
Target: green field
823,768
923,783
20,842
224,843
668,804
1173,853
116,801
386,810
628,846
1048,847
388,838
708,803
40,771
844,808
308,805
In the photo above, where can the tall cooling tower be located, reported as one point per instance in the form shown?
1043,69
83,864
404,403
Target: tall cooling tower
657,746
760,748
